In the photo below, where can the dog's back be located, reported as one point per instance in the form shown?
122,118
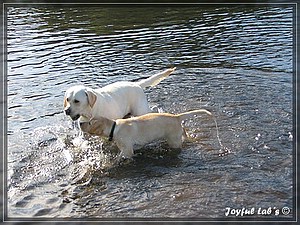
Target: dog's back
149,127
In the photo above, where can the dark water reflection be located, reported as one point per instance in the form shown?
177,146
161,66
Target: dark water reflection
235,61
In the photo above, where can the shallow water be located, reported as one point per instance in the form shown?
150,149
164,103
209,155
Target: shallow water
235,61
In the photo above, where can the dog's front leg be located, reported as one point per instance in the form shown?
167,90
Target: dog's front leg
126,149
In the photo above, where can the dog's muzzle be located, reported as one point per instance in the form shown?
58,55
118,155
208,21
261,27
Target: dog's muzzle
76,117
68,111
83,125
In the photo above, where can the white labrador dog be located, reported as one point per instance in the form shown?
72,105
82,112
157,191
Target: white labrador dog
141,130
113,101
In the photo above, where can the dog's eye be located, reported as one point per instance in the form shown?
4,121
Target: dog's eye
76,101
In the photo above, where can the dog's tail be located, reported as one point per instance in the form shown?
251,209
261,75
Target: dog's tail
186,115
156,78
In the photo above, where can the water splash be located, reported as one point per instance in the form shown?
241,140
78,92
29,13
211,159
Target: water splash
223,149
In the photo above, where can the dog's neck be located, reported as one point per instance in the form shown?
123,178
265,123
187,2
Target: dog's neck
111,134
109,128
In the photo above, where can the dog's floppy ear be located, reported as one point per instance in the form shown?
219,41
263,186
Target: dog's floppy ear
92,97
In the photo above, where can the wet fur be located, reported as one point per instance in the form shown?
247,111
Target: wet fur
113,101
142,130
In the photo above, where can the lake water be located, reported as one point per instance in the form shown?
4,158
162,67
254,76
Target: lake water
236,61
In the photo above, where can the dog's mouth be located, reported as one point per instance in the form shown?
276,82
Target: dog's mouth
84,126
76,117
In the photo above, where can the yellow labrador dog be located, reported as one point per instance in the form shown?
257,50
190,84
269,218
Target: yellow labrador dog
141,130
113,101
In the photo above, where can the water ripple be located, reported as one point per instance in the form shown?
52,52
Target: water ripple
234,61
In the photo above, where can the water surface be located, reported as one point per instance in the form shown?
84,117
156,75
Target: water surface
235,61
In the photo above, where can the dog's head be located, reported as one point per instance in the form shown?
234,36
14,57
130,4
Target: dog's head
79,101
94,126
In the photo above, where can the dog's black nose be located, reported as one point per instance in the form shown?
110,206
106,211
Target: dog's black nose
82,125
68,111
